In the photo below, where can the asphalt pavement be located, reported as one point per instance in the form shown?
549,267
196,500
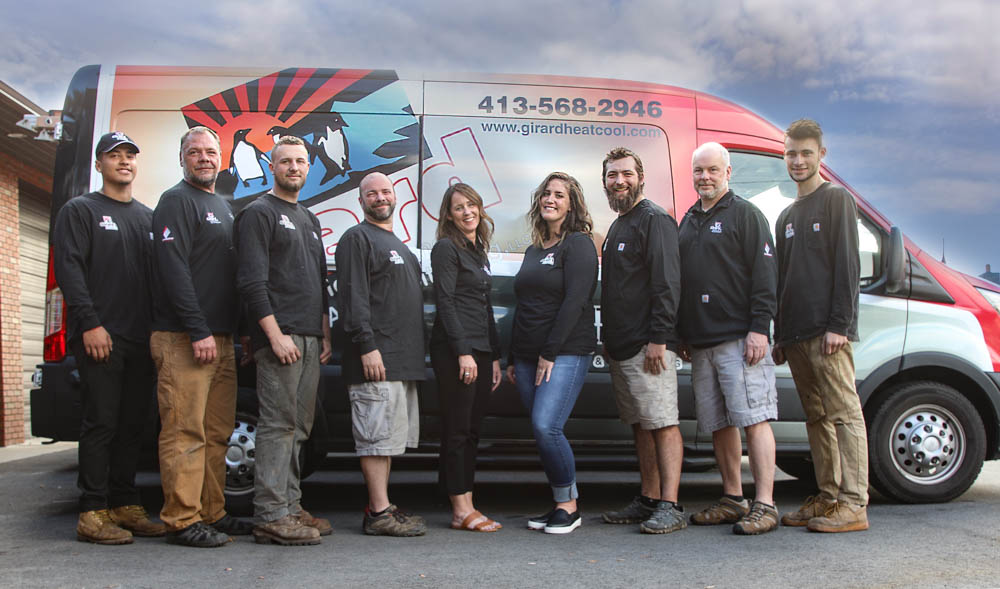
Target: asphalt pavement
956,544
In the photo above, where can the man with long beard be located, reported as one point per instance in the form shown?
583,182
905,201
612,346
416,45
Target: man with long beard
282,279
640,290
381,312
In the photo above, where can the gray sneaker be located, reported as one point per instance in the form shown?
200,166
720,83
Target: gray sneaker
634,513
393,522
666,518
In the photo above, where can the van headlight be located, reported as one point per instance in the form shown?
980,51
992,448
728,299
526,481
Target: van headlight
992,297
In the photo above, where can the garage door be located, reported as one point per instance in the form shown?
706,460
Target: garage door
34,211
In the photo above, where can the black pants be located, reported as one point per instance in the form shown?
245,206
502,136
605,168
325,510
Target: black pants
463,407
116,398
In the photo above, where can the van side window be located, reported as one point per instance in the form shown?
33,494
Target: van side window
763,180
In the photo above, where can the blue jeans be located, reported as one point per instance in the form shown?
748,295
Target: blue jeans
550,404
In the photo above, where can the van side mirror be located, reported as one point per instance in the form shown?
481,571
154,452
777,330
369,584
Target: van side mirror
895,262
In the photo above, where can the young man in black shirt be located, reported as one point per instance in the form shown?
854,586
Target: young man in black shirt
381,312
282,280
640,289
101,247
728,282
819,273
194,316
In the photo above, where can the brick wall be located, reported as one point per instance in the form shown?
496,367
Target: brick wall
12,393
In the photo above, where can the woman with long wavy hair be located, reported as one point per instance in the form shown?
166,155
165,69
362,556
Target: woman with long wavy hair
553,335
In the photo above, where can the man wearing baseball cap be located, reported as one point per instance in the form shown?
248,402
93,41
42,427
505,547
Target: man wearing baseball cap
101,248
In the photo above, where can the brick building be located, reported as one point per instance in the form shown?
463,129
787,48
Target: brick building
25,198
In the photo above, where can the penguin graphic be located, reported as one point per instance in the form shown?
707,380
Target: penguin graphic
244,161
329,143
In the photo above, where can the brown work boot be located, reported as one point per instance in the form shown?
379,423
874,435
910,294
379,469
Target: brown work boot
815,506
843,518
321,524
96,526
724,511
135,519
761,519
287,531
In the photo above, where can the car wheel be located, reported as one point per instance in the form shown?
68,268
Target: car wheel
240,464
926,443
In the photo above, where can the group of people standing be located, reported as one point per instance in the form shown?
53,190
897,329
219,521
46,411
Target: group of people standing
161,287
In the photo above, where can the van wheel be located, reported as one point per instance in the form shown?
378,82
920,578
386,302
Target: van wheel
926,443
240,464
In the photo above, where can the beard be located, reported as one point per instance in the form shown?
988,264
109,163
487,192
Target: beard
380,216
290,184
623,204
205,182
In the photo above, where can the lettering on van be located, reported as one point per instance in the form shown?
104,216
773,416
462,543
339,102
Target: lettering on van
579,107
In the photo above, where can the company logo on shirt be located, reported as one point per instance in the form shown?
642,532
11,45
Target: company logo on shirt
211,218
704,298
395,258
767,251
150,236
716,227
789,231
549,259
108,224
816,227
284,222
621,246
315,236
167,236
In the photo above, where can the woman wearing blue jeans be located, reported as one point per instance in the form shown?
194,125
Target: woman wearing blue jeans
553,334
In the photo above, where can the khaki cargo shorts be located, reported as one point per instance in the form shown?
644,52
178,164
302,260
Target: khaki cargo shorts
384,417
649,400
728,392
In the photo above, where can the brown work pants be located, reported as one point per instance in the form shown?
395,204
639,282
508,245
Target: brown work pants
197,412
834,421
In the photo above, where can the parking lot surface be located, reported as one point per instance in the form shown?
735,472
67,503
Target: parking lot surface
956,544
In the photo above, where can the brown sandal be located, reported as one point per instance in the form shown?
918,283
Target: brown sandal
483,526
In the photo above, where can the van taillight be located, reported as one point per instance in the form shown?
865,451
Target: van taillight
55,318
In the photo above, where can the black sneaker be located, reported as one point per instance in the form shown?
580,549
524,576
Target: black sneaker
562,522
198,535
634,513
538,522
233,526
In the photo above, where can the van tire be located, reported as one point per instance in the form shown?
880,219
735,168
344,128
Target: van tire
926,443
240,464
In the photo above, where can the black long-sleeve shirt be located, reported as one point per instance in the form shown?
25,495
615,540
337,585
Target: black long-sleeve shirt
380,303
462,284
818,266
282,267
555,290
101,250
194,264
640,281
728,272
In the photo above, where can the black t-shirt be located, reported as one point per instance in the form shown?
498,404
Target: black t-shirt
640,281
728,272
194,264
464,313
282,267
380,303
555,290
101,250
818,266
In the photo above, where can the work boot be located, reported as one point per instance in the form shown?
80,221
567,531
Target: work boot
635,512
393,522
843,518
135,519
666,518
815,506
321,524
724,511
760,520
287,531
97,526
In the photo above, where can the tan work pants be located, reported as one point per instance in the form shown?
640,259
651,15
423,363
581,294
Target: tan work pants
197,412
834,421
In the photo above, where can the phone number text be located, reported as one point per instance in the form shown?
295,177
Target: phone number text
545,105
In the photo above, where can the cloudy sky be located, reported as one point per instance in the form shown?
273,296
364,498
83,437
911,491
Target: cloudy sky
906,91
